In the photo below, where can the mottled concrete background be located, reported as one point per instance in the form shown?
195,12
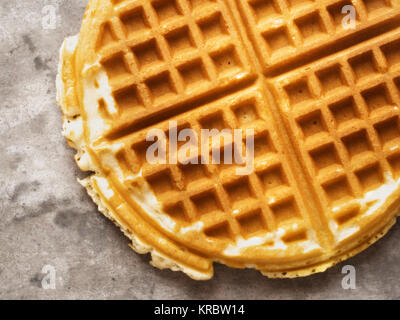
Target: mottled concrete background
47,218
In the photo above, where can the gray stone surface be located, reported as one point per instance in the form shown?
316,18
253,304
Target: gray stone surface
47,218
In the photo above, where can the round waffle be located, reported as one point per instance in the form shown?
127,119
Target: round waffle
321,98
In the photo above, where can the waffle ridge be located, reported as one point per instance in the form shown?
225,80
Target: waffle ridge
326,127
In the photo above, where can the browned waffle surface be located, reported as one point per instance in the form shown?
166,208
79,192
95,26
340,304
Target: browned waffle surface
323,101
286,32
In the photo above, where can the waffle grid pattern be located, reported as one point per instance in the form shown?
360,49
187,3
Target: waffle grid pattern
156,52
347,117
284,29
229,205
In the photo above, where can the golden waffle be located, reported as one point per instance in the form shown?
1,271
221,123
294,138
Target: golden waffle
323,101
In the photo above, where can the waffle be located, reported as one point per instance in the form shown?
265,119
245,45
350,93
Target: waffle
322,101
